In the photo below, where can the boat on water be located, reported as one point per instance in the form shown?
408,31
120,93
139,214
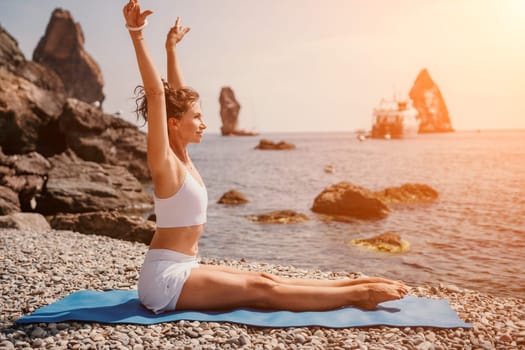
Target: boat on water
395,119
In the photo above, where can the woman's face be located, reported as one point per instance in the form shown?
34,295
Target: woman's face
191,126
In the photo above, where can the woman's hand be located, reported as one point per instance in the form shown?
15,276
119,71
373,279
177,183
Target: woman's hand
135,18
176,34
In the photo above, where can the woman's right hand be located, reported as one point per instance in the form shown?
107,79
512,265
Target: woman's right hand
176,34
135,18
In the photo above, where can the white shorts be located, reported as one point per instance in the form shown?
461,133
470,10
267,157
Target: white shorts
162,277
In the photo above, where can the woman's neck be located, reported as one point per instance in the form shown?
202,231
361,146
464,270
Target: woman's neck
181,151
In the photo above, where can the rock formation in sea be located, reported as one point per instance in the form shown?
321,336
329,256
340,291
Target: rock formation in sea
433,113
265,145
62,50
230,109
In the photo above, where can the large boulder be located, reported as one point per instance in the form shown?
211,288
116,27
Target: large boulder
77,186
427,98
62,49
25,221
102,138
343,201
112,224
347,200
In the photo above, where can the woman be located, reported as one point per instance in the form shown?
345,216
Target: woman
171,278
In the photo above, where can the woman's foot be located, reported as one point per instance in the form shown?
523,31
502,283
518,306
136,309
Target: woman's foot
376,280
372,294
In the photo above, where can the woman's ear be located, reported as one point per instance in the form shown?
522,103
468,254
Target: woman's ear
173,122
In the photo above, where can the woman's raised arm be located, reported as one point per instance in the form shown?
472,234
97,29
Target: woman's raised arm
157,141
176,33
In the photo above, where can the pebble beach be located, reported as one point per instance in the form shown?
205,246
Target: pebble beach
38,268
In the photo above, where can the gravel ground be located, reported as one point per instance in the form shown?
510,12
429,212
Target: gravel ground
38,268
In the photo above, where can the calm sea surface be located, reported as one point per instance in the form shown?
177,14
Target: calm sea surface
473,236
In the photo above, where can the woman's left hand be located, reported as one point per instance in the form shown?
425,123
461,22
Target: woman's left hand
176,34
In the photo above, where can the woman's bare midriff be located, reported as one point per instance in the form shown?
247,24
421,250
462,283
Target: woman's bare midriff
181,239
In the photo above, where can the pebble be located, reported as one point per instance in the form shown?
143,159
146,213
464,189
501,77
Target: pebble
38,333
51,268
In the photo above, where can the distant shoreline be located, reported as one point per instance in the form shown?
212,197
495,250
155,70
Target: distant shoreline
267,133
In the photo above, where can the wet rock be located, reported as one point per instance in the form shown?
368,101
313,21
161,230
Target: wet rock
265,144
386,242
407,193
427,98
233,197
279,217
347,200
62,49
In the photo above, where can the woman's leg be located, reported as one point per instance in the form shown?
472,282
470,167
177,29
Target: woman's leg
214,289
303,282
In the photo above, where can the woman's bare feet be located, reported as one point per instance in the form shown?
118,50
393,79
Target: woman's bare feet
372,294
376,280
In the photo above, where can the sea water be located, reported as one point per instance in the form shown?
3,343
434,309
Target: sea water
473,236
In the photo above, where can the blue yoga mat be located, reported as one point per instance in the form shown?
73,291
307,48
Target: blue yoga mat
123,306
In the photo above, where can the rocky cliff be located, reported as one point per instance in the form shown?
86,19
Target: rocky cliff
62,50
429,102
59,154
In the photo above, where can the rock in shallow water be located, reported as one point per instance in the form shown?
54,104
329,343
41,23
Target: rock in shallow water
233,197
389,242
279,217
346,199
265,144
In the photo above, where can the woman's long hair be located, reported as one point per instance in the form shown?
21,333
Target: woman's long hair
178,101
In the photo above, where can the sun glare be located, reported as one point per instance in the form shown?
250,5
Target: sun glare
516,11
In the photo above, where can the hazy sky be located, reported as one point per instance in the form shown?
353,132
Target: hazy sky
304,65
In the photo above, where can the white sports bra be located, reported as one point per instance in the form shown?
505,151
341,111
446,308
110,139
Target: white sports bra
187,207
